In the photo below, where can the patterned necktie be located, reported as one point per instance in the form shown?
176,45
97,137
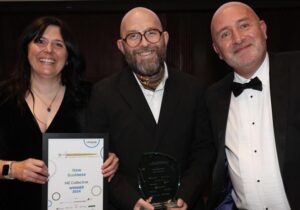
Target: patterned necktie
151,82
238,88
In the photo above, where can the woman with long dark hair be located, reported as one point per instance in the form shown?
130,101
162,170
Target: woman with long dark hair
45,93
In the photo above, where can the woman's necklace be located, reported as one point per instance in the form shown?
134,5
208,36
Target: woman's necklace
42,122
52,101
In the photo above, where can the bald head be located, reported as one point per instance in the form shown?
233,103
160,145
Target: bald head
139,18
239,37
227,8
143,42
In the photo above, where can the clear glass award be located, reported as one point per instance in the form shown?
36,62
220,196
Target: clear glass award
159,178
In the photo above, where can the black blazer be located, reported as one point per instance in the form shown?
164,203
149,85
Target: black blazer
285,100
119,107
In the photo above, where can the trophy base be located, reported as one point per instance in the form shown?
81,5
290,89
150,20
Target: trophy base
171,204
165,205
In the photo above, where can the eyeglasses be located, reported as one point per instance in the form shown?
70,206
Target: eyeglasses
43,42
135,38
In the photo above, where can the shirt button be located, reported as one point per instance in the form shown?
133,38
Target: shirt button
253,123
251,96
258,180
255,151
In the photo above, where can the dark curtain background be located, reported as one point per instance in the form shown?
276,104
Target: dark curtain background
96,28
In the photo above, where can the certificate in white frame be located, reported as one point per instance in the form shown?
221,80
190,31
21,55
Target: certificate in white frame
74,162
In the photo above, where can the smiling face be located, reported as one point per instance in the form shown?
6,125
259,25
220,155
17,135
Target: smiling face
146,58
239,37
47,55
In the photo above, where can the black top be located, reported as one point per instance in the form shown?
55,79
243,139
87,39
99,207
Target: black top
20,139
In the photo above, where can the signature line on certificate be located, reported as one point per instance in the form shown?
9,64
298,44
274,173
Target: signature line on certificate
78,154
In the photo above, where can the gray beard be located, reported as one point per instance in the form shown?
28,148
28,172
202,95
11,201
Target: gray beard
146,67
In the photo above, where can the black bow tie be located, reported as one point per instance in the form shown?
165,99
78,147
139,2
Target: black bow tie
238,88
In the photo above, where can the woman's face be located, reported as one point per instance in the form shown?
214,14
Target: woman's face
48,55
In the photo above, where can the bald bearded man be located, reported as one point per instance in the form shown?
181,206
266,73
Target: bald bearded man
151,107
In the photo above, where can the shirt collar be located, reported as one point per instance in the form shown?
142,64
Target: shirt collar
262,73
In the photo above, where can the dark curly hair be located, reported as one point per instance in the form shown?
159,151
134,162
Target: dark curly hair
72,74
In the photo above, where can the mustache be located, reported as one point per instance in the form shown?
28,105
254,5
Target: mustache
145,49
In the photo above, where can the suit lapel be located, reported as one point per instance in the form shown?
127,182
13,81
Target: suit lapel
172,94
279,101
223,102
219,107
133,95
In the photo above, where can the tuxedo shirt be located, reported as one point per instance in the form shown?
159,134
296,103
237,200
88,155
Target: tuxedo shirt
251,150
284,77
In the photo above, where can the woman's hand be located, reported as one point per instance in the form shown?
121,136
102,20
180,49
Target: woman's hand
110,166
30,170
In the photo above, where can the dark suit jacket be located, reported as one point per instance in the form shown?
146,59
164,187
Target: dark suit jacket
119,107
285,99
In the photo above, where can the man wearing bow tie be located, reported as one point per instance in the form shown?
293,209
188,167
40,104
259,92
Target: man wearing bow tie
255,116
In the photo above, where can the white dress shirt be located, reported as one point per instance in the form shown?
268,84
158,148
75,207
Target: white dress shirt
251,150
154,98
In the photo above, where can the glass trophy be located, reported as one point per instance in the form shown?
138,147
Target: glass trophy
159,178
